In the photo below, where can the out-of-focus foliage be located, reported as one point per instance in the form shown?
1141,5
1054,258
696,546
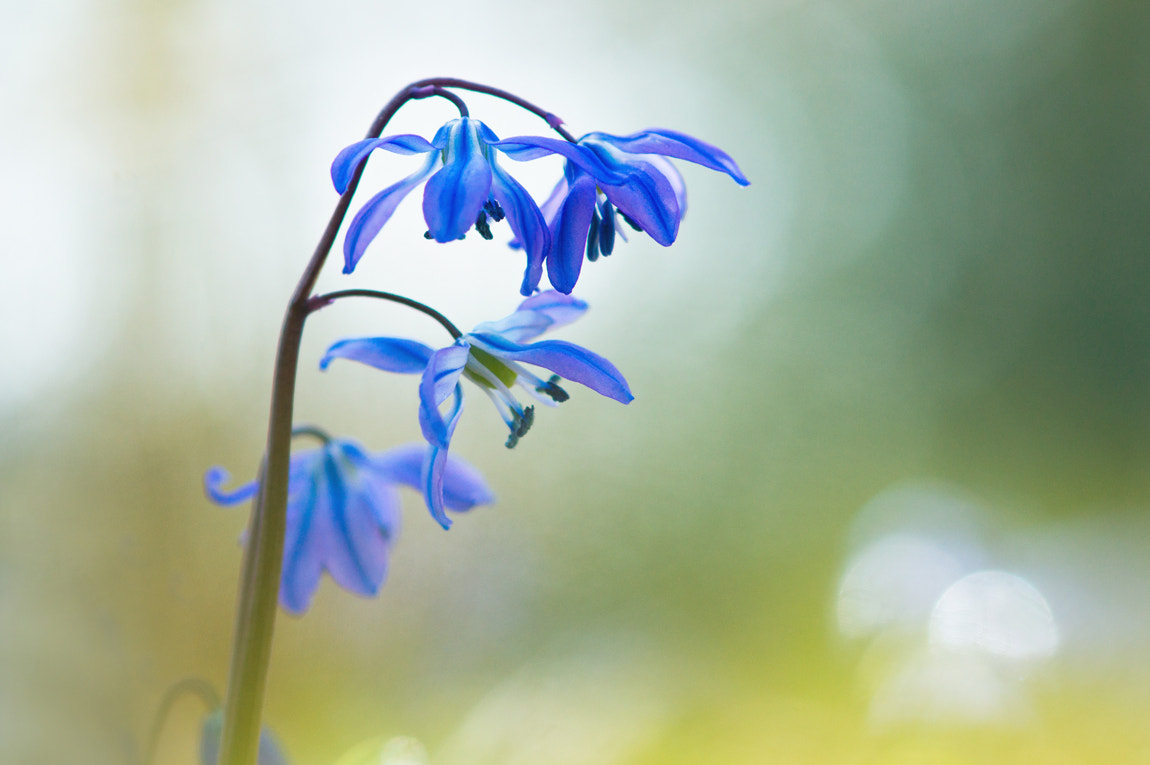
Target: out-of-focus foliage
881,497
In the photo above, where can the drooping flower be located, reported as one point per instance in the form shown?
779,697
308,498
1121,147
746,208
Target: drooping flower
343,511
641,185
491,356
467,188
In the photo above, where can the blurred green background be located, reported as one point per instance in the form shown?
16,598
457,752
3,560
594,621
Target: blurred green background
881,497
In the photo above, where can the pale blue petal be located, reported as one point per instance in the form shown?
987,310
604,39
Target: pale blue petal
391,354
454,196
567,360
519,326
302,565
536,315
350,159
403,464
560,309
671,143
366,224
435,465
432,479
354,544
463,486
440,379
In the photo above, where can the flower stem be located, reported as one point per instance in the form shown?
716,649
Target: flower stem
263,553
319,301
553,121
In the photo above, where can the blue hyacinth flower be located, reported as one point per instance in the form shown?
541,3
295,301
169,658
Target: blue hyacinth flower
343,511
492,356
640,184
466,188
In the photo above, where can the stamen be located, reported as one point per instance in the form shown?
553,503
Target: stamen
630,222
593,239
521,423
427,234
482,227
550,388
607,228
493,209
526,421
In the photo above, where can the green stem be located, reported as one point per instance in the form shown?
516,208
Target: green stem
263,554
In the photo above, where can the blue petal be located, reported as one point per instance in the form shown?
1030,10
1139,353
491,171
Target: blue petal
569,234
536,315
527,147
365,226
649,199
560,309
403,464
349,160
463,485
354,543
302,564
570,361
671,143
216,477
435,465
391,354
440,379
454,196
526,221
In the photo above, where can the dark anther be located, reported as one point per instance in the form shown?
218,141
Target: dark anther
482,227
526,421
593,238
607,229
551,388
493,210
630,222
427,235
520,425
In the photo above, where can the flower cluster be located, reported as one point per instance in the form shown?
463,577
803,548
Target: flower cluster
603,175
343,502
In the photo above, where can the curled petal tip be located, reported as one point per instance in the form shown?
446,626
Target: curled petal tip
215,478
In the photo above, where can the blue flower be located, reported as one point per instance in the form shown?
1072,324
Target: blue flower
640,184
467,188
491,356
343,511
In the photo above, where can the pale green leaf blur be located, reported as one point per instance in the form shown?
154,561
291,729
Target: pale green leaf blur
881,497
